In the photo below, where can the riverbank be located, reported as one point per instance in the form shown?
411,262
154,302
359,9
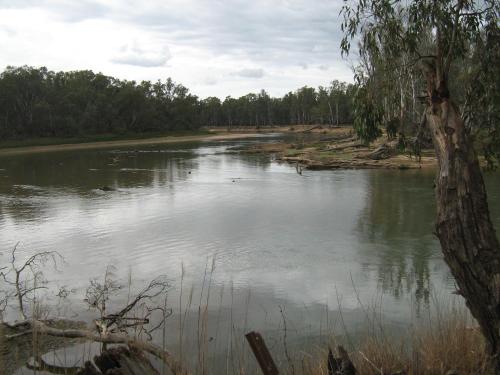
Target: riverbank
319,148
449,344
63,145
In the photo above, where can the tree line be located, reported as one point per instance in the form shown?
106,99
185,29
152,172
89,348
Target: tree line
37,102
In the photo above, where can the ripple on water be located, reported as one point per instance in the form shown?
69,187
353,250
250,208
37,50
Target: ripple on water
272,231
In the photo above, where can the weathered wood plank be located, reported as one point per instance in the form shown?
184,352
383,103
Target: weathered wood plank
262,354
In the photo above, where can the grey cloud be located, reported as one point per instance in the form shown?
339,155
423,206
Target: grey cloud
232,36
210,81
77,11
249,73
278,32
68,11
134,55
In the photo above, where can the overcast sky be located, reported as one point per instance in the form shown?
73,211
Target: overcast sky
214,47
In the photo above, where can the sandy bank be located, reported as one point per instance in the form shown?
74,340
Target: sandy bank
339,148
122,143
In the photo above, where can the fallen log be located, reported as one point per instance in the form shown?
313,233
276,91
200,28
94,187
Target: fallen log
340,365
313,128
120,361
345,145
382,152
106,338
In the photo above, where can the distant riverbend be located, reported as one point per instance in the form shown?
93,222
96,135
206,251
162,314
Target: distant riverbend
123,143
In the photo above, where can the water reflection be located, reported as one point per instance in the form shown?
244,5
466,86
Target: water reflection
306,243
398,222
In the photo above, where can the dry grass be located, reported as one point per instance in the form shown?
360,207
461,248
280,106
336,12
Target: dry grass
447,342
449,346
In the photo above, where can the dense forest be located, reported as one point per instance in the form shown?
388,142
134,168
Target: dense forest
37,102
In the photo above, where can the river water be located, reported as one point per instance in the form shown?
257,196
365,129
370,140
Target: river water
273,246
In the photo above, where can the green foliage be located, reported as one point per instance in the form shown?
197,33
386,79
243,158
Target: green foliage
368,116
41,103
38,103
455,40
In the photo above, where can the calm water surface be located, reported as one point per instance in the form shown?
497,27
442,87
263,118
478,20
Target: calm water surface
307,244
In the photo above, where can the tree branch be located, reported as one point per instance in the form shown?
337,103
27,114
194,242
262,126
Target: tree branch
108,338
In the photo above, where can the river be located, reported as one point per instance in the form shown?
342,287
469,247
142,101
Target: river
270,244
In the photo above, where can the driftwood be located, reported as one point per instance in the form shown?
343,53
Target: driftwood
345,145
108,338
262,354
340,365
119,361
313,128
108,329
382,152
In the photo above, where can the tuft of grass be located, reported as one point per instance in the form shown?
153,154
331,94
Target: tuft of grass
449,345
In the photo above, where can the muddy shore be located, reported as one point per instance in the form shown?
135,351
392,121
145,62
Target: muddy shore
319,148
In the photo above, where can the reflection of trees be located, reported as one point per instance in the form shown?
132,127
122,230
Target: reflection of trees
397,225
255,160
83,171
28,180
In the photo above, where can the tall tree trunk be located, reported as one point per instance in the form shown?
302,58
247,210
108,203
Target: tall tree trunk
331,114
337,111
468,240
401,106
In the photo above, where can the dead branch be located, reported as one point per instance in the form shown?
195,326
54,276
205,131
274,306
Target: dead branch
108,338
110,329
25,285
155,288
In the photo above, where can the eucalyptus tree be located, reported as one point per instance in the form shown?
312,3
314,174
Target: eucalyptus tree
436,34
337,91
36,102
323,110
211,111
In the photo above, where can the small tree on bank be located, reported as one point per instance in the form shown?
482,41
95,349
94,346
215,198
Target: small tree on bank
435,34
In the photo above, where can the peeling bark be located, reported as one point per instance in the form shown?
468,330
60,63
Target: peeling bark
468,239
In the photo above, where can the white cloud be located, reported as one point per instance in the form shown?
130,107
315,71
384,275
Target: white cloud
222,39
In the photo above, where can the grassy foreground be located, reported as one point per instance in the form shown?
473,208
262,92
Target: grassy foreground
451,344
